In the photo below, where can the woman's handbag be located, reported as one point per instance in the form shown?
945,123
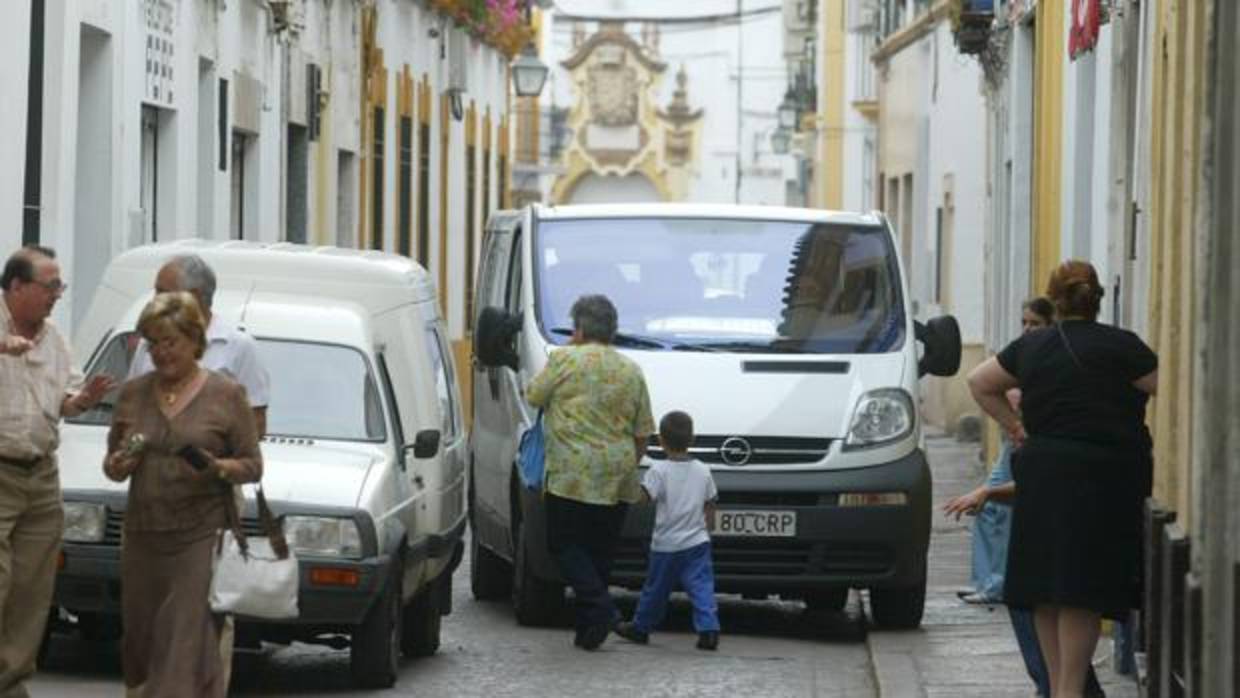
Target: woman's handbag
254,576
531,455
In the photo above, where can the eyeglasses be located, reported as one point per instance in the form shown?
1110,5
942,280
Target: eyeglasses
53,286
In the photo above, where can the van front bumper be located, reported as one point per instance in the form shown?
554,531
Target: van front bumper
881,546
90,582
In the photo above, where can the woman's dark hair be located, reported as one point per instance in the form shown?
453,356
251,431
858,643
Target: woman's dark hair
595,316
1042,307
20,266
1075,291
676,430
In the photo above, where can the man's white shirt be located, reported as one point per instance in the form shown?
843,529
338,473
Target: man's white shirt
230,352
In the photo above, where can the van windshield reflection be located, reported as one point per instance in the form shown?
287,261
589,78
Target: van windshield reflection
757,286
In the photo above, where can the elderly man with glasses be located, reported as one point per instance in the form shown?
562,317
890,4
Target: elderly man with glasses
36,375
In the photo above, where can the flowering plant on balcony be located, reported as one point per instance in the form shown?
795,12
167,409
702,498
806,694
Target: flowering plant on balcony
500,23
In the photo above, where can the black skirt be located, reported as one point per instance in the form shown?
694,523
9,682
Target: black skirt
1076,526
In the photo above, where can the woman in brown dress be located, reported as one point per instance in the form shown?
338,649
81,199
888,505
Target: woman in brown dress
171,645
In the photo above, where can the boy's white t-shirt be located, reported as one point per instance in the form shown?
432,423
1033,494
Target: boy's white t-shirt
679,490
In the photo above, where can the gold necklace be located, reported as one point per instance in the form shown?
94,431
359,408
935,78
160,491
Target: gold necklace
170,396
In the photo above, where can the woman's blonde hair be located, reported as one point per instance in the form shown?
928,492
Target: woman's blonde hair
180,311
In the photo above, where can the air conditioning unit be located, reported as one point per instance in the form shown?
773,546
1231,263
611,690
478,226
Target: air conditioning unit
458,61
862,16
798,16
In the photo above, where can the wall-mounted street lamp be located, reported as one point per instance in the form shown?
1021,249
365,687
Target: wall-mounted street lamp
781,140
788,112
529,74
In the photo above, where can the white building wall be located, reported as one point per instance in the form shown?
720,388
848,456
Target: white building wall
957,157
14,72
93,110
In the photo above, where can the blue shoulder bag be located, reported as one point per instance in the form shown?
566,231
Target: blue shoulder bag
531,455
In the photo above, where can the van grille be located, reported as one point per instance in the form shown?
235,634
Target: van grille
764,450
751,557
115,523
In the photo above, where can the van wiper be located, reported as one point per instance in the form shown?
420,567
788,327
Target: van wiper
637,341
756,347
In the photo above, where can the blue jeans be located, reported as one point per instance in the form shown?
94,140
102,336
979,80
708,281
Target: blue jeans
990,533
583,538
690,569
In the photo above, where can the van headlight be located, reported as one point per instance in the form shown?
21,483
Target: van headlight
85,522
882,416
323,535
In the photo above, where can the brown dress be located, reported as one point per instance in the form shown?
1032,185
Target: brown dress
171,641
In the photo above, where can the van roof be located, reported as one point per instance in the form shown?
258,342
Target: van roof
378,281
661,210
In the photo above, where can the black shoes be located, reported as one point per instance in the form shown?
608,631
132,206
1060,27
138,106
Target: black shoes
708,640
628,631
591,638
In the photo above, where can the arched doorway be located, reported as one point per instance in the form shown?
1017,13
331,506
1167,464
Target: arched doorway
607,189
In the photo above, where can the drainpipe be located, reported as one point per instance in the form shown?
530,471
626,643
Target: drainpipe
32,198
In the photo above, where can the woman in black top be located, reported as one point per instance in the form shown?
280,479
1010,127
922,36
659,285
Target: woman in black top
1083,467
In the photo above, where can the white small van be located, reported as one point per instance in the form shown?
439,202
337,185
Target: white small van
364,453
787,334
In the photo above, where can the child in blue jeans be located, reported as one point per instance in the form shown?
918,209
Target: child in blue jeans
684,494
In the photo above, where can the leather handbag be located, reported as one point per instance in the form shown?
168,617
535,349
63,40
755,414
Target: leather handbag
531,455
255,576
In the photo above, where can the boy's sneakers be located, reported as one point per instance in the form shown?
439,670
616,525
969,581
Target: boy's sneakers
628,631
708,640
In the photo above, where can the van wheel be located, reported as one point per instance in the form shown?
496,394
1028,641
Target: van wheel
420,636
374,655
827,599
490,576
899,608
536,601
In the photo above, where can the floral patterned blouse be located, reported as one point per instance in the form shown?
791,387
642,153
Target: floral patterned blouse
595,403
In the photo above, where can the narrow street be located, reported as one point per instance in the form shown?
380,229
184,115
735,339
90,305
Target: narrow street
770,648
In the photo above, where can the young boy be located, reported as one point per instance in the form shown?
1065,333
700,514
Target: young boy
684,494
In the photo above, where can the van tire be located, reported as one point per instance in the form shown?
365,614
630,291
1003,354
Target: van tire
423,619
536,602
490,576
898,608
374,654
828,599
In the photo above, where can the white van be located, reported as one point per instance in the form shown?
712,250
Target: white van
363,457
787,334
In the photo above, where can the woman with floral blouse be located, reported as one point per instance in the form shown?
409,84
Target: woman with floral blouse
597,421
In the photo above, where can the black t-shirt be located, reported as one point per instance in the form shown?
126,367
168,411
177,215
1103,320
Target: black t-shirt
1097,403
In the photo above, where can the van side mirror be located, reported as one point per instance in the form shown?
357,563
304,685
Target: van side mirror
426,444
941,338
494,338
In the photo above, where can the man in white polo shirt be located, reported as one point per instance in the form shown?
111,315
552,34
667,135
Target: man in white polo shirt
229,350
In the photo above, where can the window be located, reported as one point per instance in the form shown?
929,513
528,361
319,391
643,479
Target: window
111,359
376,179
405,185
296,183
321,391
444,380
424,194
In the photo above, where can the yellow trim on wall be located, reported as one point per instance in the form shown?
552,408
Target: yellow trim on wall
1052,52
830,173
445,140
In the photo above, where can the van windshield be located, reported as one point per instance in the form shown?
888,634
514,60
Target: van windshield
318,391
725,284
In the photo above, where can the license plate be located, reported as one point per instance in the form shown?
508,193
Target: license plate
765,523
